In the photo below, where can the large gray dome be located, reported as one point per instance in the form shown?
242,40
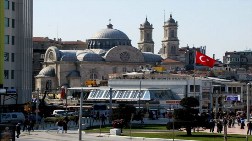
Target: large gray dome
110,34
108,38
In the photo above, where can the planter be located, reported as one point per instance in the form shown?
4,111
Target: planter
115,131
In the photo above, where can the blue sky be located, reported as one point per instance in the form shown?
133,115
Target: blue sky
220,25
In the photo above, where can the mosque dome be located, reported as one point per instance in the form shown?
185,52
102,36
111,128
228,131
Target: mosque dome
89,56
108,38
110,33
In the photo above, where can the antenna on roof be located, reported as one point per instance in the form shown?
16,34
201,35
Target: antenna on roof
164,16
109,21
57,31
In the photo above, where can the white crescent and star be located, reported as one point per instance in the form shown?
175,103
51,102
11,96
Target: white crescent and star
201,59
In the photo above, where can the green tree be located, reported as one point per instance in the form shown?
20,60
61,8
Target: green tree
124,112
187,115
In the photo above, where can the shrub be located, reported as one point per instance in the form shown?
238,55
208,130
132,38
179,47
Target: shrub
118,123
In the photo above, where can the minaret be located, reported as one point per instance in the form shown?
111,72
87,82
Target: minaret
170,42
146,43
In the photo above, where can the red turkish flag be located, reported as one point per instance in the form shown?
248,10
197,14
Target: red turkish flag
204,60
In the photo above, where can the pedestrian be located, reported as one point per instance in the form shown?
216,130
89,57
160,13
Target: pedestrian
26,123
249,128
76,120
219,126
242,123
103,118
60,126
32,122
212,125
65,126
18,129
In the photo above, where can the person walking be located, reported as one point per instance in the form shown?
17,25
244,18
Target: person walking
18,129
242,123
65,126
212,125
249,128
103,118
219,126
60,126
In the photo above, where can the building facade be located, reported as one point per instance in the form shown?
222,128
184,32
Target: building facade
17,44
41,44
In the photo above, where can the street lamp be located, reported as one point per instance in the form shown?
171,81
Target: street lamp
248,101
139,95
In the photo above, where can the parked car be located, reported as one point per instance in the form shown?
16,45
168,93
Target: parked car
14,117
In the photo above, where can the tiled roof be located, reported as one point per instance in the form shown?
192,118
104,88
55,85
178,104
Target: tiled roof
39,39
167,60
73,42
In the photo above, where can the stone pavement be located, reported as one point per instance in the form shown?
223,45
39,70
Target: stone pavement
234,130
49,133
72,135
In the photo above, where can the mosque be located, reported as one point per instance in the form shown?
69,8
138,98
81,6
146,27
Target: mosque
109,52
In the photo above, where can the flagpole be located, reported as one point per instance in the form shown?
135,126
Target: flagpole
194,68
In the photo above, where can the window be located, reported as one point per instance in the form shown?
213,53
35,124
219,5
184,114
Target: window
6,74
197,88
6,22
6,4
114,70
172,34
13,6
13,23
42,56
12,57
124,69
12,40
7,39
12,74
6,56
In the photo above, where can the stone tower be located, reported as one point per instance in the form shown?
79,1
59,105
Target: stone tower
170,42
146,43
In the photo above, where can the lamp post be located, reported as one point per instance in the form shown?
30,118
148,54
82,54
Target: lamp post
248,101
139,95
110,105
37,104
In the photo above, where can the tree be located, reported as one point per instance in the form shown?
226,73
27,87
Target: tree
124,112
188,114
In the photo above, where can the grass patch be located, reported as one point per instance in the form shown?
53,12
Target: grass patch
160,131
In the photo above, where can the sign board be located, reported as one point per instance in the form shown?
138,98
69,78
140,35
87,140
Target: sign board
2,91
233,98
173,102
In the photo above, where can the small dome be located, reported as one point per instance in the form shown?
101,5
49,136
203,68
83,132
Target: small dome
74,73
146,23
89,56
171,20
48,71
151,57
68,55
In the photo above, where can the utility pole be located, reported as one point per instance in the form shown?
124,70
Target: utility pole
110,105
37,104
248,101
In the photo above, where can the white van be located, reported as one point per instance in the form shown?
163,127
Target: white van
14,117
58,112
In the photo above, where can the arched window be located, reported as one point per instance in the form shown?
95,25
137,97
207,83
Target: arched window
173,49
93,76
172,34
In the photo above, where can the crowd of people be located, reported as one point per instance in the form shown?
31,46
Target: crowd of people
229,120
